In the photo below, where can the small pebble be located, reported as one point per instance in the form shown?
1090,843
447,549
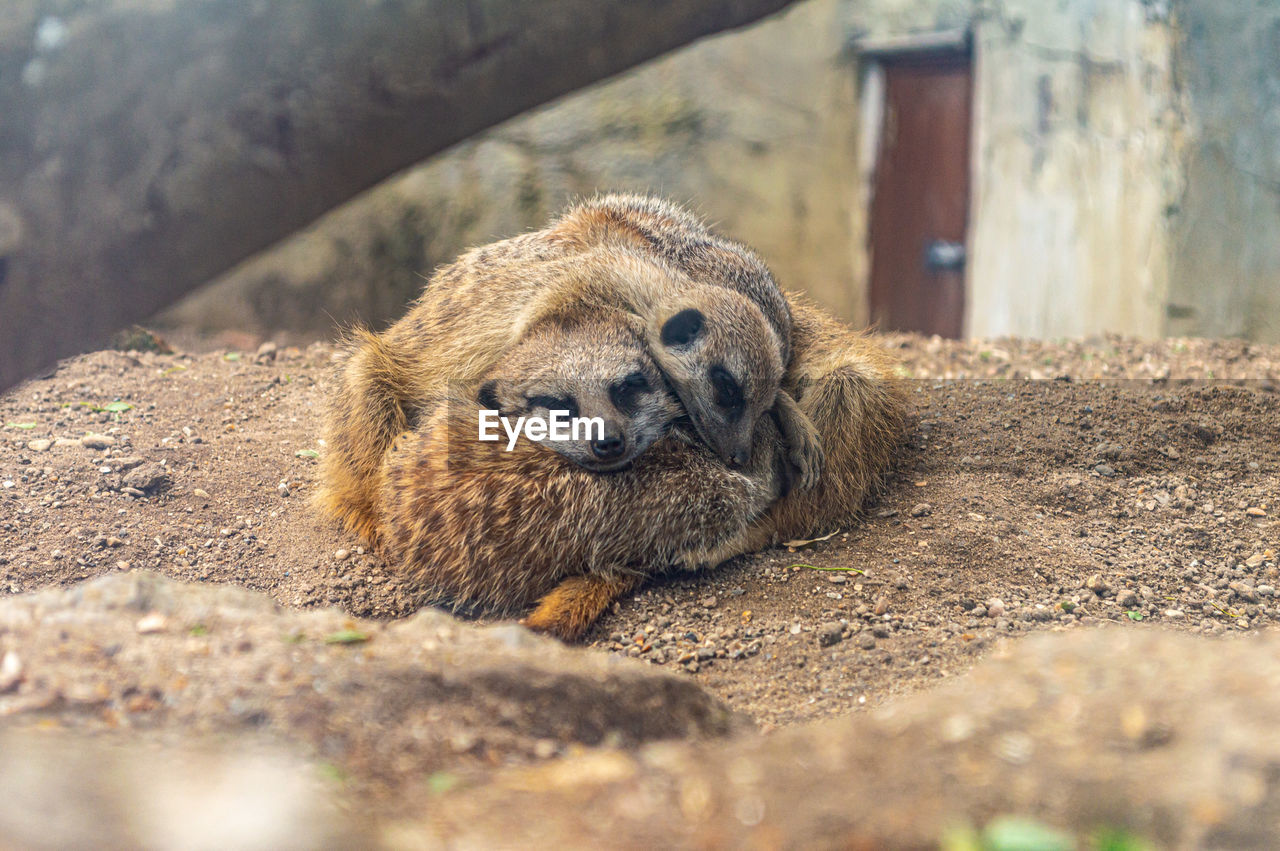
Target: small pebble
866,641
1127,598
836,578
922,509
97,441
1255,511
1097,584
708,602
41,445
200,492
147,477
830,633
341,555
1104,470
1245,591
882,606
283,488
995,608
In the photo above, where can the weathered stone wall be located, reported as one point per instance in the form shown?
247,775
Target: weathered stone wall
1225,272
1078,128
754,129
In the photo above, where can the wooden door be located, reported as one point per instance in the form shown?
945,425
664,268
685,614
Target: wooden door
919,211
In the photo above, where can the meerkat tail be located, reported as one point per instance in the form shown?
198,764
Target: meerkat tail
577,603
370,407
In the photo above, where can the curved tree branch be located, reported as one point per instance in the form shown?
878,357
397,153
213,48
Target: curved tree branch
146,147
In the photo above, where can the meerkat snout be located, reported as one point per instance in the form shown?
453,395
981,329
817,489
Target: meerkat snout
609,448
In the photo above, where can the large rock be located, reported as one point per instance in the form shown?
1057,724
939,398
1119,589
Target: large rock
1156,736
386,705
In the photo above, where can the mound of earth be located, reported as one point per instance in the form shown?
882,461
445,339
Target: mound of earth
387,706
1104,739
1042,487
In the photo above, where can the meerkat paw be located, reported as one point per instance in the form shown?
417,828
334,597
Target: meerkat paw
807,457
804,446
576,604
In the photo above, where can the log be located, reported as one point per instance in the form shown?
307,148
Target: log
147,146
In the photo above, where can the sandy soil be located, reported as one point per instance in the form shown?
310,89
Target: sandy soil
1043,487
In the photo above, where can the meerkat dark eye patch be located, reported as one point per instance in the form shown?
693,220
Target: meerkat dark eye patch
488,396
637,380
625,394
683,328
554,403
728,392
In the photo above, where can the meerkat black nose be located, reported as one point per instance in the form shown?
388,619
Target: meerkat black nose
738,459
608,448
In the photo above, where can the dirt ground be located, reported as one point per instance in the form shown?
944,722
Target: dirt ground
1043,487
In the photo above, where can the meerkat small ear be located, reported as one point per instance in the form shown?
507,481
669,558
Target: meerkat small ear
488,396
683,328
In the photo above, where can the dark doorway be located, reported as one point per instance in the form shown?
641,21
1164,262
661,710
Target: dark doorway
920,206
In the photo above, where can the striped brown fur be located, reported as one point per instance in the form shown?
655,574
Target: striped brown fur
479,526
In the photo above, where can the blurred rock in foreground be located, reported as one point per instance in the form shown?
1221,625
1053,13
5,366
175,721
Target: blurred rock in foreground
70,790
386,708
1149,736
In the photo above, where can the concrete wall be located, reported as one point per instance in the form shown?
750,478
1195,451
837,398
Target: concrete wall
1079,125
1225,271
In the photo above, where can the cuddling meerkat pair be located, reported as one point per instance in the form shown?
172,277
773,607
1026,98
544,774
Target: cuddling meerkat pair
733,417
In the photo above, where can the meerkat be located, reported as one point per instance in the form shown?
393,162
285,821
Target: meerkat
713,317
504,531
449,344
847,385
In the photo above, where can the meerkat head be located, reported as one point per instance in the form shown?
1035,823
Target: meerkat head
724,361
597,369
